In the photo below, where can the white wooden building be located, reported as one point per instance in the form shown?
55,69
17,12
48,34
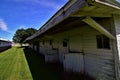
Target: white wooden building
82,35
4,44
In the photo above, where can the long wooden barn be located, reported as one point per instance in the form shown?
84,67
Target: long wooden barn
82,36
4,44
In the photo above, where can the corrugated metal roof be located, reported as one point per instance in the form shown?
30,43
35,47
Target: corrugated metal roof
111,3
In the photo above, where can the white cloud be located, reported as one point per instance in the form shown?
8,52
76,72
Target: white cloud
24,27
47,3
3,25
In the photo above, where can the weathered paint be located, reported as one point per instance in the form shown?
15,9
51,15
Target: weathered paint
51,56
82,54
95,62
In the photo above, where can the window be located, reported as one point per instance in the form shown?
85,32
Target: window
65,43
103,42
50,42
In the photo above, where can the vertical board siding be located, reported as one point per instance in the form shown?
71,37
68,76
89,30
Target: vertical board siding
96,61
51,56
74,62
62,52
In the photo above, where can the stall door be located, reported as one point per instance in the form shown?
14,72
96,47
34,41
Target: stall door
63,50
74,60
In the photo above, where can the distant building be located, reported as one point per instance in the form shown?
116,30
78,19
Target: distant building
4,44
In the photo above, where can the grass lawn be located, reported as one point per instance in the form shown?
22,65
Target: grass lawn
13,65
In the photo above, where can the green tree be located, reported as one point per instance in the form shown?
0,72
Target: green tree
21,34
30,31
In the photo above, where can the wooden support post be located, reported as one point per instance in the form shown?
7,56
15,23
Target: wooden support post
98,27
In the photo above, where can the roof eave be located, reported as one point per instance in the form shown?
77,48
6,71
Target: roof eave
109,4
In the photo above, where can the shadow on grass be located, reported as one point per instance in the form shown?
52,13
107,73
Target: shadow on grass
22,47
41,70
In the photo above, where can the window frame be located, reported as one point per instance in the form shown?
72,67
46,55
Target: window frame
103,42
65,43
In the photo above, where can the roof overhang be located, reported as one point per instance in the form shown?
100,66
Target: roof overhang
109,3
65,12
106,3
81,6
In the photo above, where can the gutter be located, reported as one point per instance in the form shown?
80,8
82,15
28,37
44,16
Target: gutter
109,3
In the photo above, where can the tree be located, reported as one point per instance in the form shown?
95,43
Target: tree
21,34
30,31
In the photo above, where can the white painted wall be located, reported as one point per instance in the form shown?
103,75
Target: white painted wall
62,52
97,62
51,56
74,62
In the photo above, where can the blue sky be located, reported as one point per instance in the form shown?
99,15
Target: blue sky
118,0
15,14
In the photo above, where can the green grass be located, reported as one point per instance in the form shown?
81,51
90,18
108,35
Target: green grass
13,65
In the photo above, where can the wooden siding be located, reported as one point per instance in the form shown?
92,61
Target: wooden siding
51,56
74,62
82,53
97,62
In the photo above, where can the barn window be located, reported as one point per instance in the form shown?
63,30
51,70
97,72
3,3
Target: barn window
50,42
65,43
103,42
